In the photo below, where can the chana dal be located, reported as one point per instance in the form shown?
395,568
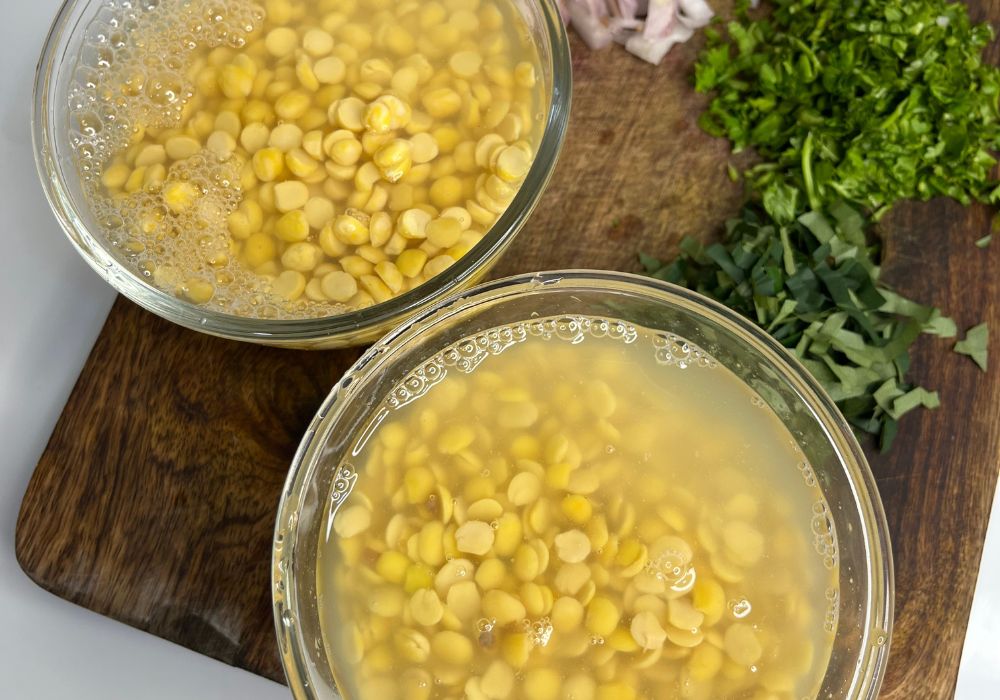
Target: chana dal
603,515
303,158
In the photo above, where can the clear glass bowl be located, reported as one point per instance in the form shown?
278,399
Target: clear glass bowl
861,644
57,169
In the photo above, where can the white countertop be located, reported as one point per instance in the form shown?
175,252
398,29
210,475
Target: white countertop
53,649
50,648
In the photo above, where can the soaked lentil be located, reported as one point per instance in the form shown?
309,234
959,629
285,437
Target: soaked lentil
615,517
303,158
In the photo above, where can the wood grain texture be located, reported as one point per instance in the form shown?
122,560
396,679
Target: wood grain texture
938,483
155,498
153,502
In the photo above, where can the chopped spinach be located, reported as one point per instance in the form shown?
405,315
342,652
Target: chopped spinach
812,283
974,345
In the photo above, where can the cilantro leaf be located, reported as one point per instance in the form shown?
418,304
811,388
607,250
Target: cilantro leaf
869,102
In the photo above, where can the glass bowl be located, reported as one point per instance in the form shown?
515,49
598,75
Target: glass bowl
78,20
861,642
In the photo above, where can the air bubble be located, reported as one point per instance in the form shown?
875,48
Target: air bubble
484,624
540,631
740,608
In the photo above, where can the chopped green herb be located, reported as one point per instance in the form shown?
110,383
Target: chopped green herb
912,399
941,326
870,101
852,106
974,344
984,242
812,283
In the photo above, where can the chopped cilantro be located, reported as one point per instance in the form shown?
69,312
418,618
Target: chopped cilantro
870,101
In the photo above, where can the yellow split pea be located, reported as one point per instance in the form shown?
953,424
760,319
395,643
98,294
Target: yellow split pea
578,521
344,153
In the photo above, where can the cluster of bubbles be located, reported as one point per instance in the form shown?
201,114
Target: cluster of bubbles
132,68
832,610
672,350
172,249
669,567
539,631
135,72
466,355
807,473
824,534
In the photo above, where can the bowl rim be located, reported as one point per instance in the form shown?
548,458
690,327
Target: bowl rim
353,324
874,649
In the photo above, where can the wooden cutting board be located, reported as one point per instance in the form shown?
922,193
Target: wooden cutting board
153,502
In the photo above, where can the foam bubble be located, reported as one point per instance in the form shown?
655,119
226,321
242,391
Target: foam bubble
135,74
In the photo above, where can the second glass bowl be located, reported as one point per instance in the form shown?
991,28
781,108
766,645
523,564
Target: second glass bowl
412,352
